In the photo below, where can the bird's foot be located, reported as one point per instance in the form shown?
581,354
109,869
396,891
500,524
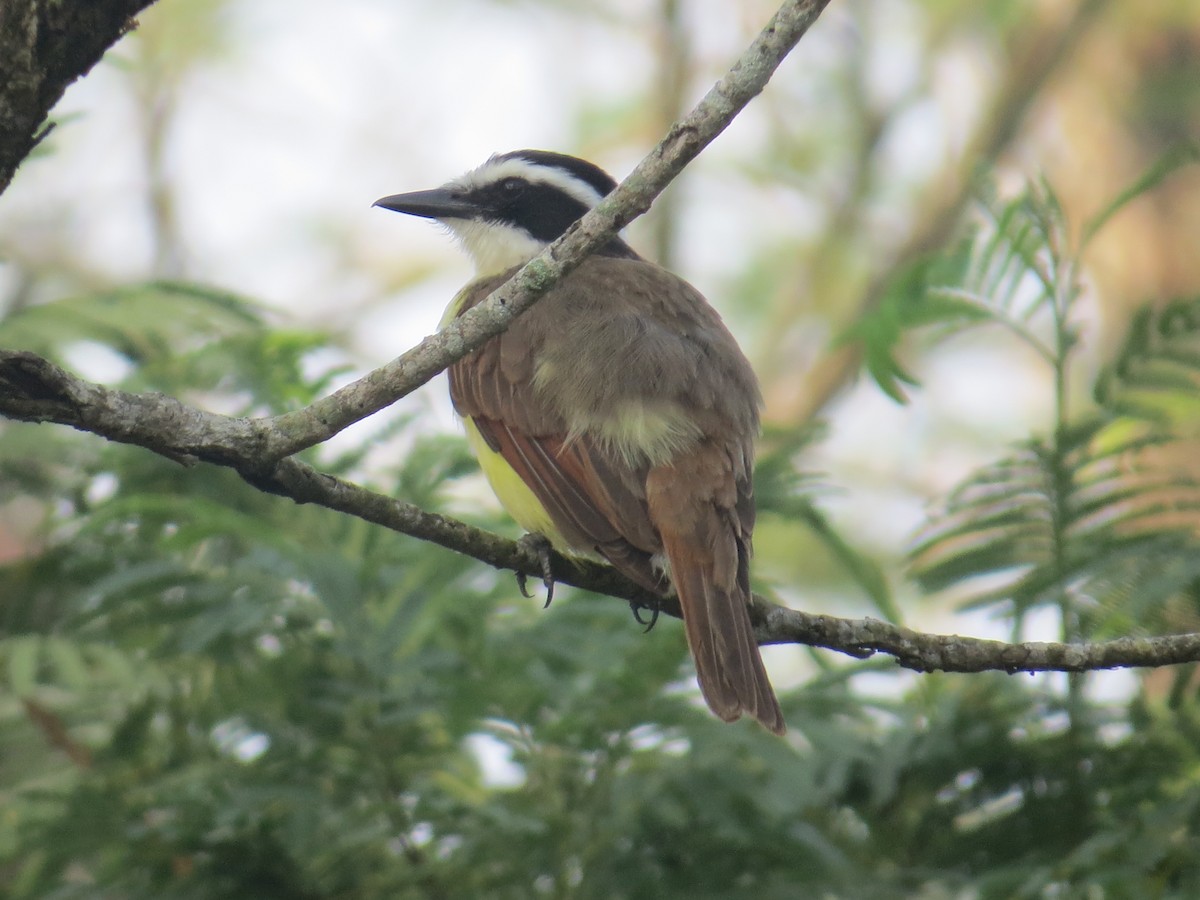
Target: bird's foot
636,608
537,545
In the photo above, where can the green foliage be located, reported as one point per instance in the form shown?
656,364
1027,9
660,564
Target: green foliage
783,491
909,304
1098,518
1182,154
1156,376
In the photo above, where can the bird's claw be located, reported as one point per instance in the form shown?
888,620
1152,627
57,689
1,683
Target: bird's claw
522,585
636,608
537,545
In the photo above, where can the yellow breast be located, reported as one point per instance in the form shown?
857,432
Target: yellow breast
514,495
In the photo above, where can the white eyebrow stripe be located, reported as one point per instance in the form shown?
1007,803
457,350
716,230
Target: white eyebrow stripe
495,170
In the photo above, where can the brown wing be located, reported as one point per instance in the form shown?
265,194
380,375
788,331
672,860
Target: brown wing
597,502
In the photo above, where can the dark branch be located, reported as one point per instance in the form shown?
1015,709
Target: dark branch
44,46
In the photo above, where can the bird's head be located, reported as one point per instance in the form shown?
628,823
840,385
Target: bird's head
507,210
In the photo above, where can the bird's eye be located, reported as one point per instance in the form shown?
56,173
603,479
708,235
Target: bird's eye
512,186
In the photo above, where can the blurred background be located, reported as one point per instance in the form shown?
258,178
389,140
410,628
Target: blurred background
212,693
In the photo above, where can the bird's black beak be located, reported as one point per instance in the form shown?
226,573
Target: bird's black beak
440,203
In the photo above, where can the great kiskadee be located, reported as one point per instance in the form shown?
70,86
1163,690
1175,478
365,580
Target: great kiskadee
617,416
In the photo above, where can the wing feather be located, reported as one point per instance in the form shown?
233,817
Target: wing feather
597,502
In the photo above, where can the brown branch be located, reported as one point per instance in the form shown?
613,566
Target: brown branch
34,389
44,46
55,731
923,652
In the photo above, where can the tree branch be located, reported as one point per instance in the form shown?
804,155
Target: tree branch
44,46
34,389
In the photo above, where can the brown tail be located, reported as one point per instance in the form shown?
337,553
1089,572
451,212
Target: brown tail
710,570
729,667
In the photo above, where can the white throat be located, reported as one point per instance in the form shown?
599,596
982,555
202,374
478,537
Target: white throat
493,247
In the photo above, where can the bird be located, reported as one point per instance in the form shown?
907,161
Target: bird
617,417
